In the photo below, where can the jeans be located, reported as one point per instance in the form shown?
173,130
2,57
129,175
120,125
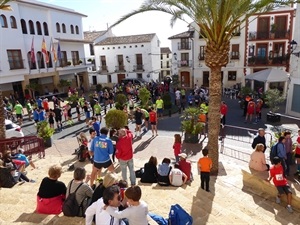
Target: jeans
205,177
288,162
123,165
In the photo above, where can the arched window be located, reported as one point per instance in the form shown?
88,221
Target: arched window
32,65
77,29
13,23
3,21
49,64
72,29
57,28
31,27
63,27
24,27
39,28
46,32
40,60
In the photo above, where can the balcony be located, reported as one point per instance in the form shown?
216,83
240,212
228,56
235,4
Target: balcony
78,61
102,69
138,68
71,62
120,68
184,45
234,55
201,56
257,61
279,60
264,35
184,63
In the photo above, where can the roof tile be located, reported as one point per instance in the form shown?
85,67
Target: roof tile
141,38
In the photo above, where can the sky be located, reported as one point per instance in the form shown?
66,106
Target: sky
103,13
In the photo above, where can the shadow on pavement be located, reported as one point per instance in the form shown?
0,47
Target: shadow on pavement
143,145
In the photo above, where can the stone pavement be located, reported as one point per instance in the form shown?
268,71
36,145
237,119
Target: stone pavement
229,202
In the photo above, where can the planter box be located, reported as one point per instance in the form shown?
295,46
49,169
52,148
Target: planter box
191,138
48,142
273,118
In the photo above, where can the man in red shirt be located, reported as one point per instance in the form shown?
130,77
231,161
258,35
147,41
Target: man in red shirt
185,166
124,153
153,121
223,110
279,180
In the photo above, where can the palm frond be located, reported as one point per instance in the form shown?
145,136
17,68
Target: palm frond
4,5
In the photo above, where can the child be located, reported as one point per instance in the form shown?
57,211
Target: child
276,173
177,146
137,210
204,165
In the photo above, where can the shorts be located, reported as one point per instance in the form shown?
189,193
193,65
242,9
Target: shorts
58,119
19,116
147,118
70,115
88,115
159,111
250,112
138,122
153,123
297,156
103,165
284,189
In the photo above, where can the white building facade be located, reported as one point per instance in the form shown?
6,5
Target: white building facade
189,53
135,56
293,87
23,30
165,62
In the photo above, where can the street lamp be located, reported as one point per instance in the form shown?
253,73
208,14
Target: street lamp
175,56
293,45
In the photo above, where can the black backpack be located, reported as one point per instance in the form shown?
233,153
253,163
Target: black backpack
70,206
6,179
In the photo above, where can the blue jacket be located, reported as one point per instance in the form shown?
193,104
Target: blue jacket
102,147
42,115
281,151
36,115
96,126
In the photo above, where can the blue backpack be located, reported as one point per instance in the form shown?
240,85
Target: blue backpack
178,216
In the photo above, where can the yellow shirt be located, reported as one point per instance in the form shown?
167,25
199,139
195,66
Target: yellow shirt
159,103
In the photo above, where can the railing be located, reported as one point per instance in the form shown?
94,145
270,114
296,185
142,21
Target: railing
201,56
138,67
185,63
235,55
120,68
78,61
16,64
30,145
184,45
71,62
254,60
261,35
236,141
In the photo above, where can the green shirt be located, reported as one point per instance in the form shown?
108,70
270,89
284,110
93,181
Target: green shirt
159,103
145,113
18,108
182,92
97,109
28,106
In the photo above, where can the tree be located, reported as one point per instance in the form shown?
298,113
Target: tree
144,95
273,99
217,21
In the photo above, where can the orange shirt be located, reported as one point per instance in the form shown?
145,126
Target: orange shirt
205,164
202,118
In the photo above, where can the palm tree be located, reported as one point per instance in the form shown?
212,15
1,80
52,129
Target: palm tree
217,20
4,6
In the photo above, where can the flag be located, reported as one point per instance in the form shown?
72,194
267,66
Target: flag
52,49
32,55
58,52
44,51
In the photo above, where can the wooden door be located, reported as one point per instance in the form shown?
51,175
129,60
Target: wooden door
263,27
281,26
185,79
121,76
205,81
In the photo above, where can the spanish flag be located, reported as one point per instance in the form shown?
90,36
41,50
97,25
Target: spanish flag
44,51
52,48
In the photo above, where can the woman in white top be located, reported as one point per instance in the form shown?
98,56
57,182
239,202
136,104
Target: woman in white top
258,159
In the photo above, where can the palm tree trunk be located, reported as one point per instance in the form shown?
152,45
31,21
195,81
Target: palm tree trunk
2,122
214,116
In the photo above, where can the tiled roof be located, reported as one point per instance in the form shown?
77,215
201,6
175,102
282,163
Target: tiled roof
165,50
186,34
141,38
93,35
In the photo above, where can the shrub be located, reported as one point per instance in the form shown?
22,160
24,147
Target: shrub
44,130
167,101
121,101
273,99
190,123
144,95
116,119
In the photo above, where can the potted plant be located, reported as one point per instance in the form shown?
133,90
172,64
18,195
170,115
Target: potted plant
80,61
190,125
63,84
273,30
121,101
45,132
273,98
69,63
144,95
116,119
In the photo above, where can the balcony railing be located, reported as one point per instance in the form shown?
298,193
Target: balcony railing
262,35
279,60
78,61
16,64
71,62
120,68
103,68
138,67
184,45
201,56
184,63
257,60
234,55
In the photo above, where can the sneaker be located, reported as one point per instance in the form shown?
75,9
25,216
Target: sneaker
278,201
32,181
289,209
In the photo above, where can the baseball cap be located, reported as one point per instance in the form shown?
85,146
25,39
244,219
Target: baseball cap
183,155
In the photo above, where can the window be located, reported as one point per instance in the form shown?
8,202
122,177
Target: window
184,59
108,78
15,59
92,50
32,65
39,28
40,60
3,21
161,64
46,32
13,23
142,46
167,56
202,53
75,58
57,28
72,29
139,76
124,46
24,27
168,72
130,46
113,47
168,64
94,80
77,29
235,52
31,27
278,49
63,27
120,63
232,75
237,30
64,60
161,56
49,64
